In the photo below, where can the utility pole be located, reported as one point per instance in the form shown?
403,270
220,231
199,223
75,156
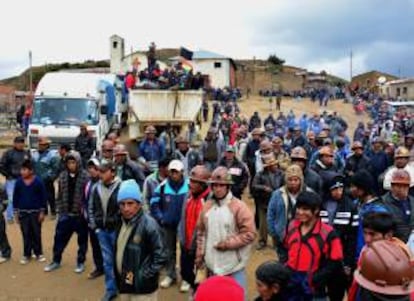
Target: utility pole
350,66
30,73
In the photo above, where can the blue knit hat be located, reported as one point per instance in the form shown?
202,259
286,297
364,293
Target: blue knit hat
129,189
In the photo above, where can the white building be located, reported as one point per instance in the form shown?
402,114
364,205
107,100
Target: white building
399,89
220,69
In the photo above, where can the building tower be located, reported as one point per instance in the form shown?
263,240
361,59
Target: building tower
117,50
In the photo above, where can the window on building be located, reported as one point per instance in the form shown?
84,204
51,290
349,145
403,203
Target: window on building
398,91
368,82
115,44
217,64
404,90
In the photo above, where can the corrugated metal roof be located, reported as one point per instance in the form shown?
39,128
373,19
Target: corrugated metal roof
401,81
204,54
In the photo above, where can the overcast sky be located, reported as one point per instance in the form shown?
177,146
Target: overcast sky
317,34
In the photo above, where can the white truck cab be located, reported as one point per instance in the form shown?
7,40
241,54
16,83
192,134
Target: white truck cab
65,100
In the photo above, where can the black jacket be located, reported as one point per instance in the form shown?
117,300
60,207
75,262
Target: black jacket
402,227
85,145
144,256
313,180
263,179
354,164
96,212
12,161
240,176
345,221
131,170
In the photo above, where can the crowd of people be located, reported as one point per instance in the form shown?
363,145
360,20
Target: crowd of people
337,210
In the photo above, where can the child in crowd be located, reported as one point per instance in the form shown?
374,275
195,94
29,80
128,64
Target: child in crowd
271,281
29,203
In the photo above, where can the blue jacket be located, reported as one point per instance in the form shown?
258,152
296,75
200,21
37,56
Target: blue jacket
375,205
278,216
167,202
152,152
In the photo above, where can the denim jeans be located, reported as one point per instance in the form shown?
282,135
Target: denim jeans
10,190
240,277
107,243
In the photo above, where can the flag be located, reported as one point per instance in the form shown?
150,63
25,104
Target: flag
186,65
185,53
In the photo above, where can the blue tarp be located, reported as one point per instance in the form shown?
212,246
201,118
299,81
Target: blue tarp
110,96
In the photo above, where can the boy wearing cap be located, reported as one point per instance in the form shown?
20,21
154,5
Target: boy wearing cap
70,206
340,212
166,207
314,250
104,219
139,250
10,164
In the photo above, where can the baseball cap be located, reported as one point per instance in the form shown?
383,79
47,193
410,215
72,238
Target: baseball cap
176,165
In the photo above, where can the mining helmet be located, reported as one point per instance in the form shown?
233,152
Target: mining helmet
200,173
326,151
298,153
400,176
402,152
221,175
385,269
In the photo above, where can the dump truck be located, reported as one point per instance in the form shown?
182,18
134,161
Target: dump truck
65,100
160,107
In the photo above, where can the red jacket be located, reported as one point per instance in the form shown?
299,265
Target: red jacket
315,252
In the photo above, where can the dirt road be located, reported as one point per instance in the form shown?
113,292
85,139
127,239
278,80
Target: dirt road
31,283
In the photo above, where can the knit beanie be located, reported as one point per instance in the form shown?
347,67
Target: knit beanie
219,288
129,189
363,180
294,170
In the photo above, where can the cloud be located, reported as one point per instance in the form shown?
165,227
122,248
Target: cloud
317,34
378,32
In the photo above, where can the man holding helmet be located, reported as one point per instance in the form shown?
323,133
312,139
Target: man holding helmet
199,192
225,231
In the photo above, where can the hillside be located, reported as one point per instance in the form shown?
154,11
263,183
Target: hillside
254,74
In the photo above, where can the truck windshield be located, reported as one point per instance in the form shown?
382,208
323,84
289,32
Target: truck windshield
64,111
